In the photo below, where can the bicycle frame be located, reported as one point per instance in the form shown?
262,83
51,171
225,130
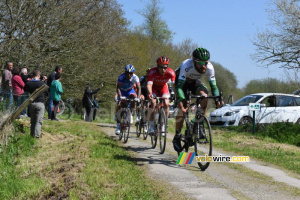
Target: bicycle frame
124,104
161,121
198,132
141,112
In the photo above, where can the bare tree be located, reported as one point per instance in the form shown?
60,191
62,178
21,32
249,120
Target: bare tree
280,44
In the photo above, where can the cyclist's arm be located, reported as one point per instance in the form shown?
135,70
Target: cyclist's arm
212,80
138,86
119,90
214,87
215,92
181,80
149,82
180,93
149,88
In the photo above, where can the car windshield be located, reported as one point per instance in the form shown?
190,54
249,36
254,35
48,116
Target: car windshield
246,100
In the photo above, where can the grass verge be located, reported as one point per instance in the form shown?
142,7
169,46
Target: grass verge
73,160
256,146
12,183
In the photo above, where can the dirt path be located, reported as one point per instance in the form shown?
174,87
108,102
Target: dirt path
220,181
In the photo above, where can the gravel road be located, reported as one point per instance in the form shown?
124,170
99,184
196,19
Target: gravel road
252,180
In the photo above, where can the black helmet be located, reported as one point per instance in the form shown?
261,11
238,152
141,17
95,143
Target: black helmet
201,54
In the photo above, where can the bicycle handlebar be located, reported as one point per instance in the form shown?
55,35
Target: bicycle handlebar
201,97
129,99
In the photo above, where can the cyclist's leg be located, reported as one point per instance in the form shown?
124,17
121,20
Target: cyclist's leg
202,90
165,94
151,111
179,121
181,105
132,95
118,114
139,108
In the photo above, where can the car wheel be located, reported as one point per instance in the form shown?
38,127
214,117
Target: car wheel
245,120
298,121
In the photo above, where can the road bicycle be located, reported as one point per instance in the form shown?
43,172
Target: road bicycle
125,116
198,131
143,126
160,125
61,107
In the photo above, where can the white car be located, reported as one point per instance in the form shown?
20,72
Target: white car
274,107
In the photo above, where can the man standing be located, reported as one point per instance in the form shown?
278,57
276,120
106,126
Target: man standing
56,90
87,102
95,106
24,74
37,107
6,84
51,78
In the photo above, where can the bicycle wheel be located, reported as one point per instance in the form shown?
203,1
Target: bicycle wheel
122,124
138,125
61,108
153,140
154,136
145,125
162,130
203,141
127,125
138,129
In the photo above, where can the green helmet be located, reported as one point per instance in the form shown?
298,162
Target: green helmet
201,54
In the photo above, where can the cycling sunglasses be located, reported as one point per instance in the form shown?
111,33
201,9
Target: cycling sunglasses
201,63
163,67
131,73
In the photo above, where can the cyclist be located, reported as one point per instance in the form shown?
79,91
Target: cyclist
189,76
125,88
157,85
143,81
144,92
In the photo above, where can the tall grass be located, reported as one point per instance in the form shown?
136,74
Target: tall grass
12,183
274,144
282,132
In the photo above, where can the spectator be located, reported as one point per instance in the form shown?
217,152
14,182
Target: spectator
56,90
88,103
24,74
37,107
6,84
18,88
95,107
51,78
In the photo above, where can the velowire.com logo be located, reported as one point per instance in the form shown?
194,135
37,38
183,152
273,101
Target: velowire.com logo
187,158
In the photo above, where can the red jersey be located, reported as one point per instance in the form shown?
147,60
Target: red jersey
159,80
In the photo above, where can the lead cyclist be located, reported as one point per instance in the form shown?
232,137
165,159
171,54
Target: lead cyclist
188,78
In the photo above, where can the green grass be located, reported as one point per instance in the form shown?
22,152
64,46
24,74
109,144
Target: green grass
104,118
75,159
12,183
267,149
283,132
110,171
